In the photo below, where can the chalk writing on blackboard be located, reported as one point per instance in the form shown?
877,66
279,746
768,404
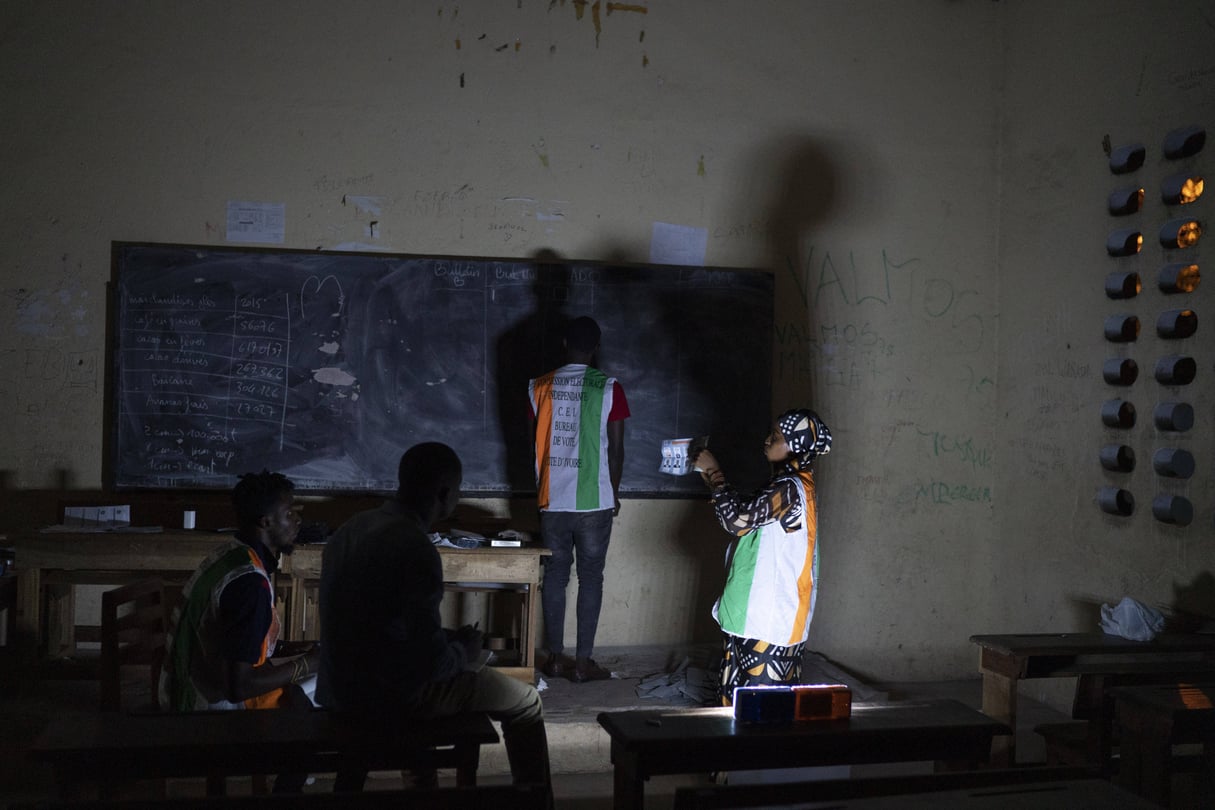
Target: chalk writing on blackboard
326,366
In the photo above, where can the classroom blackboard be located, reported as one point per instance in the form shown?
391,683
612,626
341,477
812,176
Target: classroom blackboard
326,366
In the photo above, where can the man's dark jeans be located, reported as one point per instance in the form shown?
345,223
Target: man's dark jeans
580,537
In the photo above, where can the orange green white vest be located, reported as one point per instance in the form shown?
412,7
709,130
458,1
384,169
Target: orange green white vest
572,405
771,583
193,675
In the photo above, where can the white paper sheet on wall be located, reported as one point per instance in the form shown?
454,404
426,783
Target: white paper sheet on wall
256,222
678,244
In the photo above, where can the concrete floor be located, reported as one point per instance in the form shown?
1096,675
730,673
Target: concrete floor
579,749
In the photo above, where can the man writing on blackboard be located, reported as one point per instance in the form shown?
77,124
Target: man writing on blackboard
578,416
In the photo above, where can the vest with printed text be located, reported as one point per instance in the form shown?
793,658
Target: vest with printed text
572,405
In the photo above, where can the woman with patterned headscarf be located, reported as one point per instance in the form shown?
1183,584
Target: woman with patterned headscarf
772,567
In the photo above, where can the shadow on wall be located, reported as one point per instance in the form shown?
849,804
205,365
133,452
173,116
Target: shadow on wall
703,543
1193,608
1086,613
804,182
537,340
807,192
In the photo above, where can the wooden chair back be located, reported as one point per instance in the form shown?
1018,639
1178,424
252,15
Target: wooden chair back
134,626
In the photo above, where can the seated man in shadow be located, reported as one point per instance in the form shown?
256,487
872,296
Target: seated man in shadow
386,655
226,627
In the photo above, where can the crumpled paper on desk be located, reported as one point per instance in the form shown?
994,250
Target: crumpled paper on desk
457,539
1132,620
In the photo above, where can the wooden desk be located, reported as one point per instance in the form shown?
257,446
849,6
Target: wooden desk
51,565
648,743
1004,660
1152,720
463,567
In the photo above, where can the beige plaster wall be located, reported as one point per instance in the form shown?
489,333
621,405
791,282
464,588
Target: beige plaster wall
1130,72
893,164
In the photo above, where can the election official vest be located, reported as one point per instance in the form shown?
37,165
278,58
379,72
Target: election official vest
192,677
771,585
572,405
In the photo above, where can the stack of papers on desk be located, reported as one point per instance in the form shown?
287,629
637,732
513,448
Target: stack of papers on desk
90,519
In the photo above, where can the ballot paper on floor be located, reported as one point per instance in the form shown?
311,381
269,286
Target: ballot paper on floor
676,452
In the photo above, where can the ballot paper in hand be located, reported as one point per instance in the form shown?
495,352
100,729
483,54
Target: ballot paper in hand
675,454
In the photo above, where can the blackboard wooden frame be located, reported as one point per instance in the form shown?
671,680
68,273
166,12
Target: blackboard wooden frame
326,365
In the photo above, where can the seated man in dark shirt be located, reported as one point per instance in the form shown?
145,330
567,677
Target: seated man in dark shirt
226,626
386,654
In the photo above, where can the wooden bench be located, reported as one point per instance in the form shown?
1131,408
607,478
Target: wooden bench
480,797
1153,719
109,748
1091,738
1019,787
651,742
1005,660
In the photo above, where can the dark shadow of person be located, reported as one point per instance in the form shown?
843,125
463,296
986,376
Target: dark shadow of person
806,191
803,186
528,348
1193,608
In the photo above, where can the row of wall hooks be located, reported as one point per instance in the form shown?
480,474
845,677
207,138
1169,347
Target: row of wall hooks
1179,274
